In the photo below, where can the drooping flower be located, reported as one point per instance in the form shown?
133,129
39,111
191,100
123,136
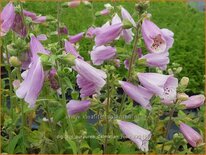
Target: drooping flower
35,19
7,18
18,26
76,38
160,60
194,101
34,77
75,106
162,85
157,40
192,136
107,35
69,48
90,79
135,133
126,16
102,53
127,34
31,86
138,93
36,47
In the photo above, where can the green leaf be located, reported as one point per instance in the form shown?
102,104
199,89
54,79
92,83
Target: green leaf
13,143
73,146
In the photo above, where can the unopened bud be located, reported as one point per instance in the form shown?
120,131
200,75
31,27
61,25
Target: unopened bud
182,96
178,70
184,81
69,58
170,71
142,6
127,24
14,61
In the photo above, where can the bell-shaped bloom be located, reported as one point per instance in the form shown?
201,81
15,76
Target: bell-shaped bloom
102,53
34,17
90,32
90,79
160,60
107,35
69,48
18,26
194,101
75,106
34,77
127,34
36,47
126,16
162,85
156,40
7,17
31,86
138,93
192,136
104,27
76,38
135,133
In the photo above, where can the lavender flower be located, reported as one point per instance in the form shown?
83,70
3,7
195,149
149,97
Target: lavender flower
138,93
194,101
162,85
76,38
102,53
159,60
18,26
157,40
192,136
108,35
75,106
135,133
90,79
69,48
7,18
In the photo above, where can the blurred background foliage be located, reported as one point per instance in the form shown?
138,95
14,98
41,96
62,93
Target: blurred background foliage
186,23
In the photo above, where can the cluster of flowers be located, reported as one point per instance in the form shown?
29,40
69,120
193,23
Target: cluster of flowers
91,80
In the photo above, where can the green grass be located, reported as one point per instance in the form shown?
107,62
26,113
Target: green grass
186,23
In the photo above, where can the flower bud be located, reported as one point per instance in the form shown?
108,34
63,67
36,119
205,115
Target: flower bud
69,58
127,24
14,61
182,96
184,81
142,6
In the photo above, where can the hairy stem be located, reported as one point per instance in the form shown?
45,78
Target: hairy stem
131,62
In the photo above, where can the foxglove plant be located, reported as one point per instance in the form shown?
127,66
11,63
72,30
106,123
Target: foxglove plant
83,95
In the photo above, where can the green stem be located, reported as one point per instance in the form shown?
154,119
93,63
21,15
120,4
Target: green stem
107,115
10,84
130,65
22,127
